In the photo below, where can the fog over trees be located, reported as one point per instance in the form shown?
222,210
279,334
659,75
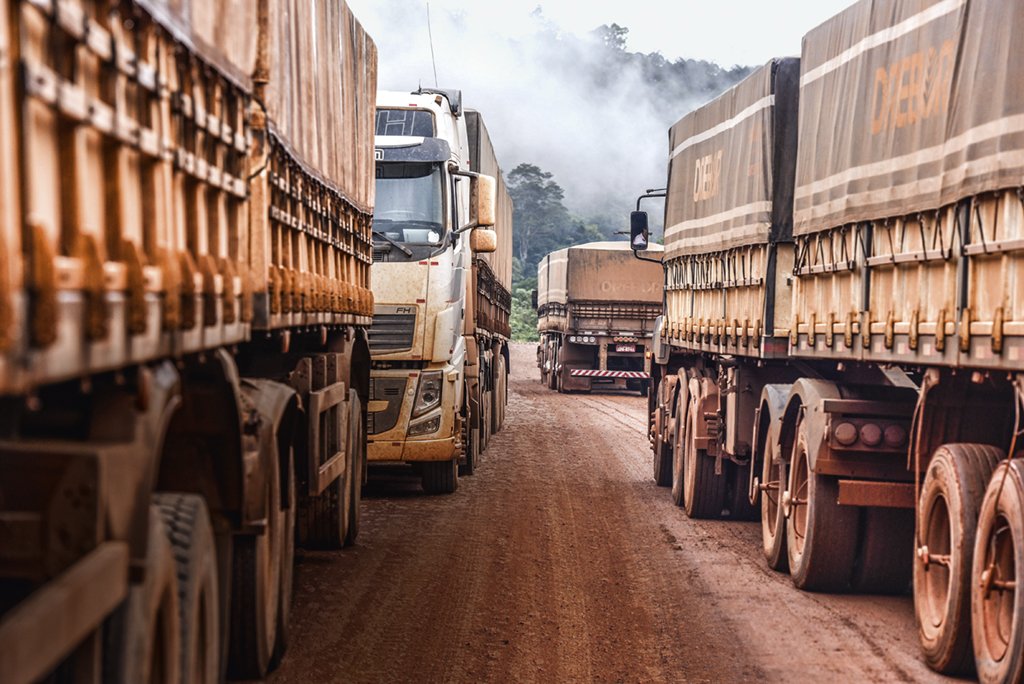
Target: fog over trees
579,123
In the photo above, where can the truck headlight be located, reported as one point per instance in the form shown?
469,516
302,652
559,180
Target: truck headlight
425,427
428,393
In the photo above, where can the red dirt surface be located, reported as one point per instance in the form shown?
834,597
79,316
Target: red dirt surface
561,560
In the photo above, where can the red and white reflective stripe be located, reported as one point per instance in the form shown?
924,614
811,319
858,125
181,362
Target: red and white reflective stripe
585,373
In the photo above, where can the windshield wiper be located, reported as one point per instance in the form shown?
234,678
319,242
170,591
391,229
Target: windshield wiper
394,243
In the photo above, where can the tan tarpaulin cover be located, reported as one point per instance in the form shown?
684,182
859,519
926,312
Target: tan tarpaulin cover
724,158
599,272
226,32
322,73
483,160
909,105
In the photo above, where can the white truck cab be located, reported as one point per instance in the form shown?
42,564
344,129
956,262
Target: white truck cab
432,213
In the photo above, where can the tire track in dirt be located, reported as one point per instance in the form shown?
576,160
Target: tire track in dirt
560,560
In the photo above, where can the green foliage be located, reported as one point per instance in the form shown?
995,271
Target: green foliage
542,222
524,318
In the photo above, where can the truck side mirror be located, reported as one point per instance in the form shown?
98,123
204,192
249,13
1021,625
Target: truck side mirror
483,192
533,299
483,241
638,231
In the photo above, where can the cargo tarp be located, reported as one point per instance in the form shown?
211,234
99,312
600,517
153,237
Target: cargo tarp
321,70
483,160
907,106
731,166
600,272
224,32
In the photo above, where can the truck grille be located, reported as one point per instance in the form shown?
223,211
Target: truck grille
391,390
392,332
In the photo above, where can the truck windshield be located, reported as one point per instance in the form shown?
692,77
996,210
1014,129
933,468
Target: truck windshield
409,205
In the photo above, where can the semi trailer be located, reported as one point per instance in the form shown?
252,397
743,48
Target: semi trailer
184,299
840,348
441,276
596,307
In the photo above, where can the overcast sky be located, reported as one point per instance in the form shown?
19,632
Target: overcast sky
602,147
725,31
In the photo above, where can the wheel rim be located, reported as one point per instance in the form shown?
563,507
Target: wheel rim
772,479
270,544
937,578
798,498
678,471
689,461
998,590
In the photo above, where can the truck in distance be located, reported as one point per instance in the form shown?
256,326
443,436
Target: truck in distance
441,276
596,307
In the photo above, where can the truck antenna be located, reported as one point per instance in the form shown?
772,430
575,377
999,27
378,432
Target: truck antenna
430,35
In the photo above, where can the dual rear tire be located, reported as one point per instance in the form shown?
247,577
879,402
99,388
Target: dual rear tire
997,578
826,546
774,479
948,510
821,536
168,629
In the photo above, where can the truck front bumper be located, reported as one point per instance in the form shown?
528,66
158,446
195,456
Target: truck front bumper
392,395
412,450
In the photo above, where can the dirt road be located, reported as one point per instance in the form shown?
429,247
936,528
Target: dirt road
561,560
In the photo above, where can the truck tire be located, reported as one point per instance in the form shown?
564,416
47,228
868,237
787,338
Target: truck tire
885,561
255,589
500,392
662,462
553,371
470,447
440,477
704,490
142,638
679,464
774,477
738,499
997,578
191,535
357,457
486,408
947,515
471,434
324,520
821,535
662,449
284,595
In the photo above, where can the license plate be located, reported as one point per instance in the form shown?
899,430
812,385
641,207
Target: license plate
625,347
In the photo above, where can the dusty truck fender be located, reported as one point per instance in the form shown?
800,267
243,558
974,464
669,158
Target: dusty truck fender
660,350
203,452
664,420
275,428
807,395
703,393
